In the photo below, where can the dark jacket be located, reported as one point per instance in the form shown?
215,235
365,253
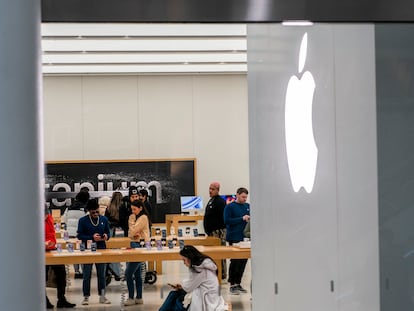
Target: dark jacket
213,215
124,212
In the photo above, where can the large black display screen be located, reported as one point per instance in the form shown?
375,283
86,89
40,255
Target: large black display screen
165,180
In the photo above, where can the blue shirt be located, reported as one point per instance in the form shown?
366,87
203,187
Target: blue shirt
233,218
86,229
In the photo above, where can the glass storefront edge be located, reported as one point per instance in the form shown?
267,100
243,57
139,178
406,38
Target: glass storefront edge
394,48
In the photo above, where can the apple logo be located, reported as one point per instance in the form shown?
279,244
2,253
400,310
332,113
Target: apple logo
302,153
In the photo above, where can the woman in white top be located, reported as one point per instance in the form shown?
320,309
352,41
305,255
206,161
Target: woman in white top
202,284
139,225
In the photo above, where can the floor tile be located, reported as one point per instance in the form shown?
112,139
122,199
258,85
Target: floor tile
174,272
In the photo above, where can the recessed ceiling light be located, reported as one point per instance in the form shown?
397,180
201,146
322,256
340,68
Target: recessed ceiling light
297,23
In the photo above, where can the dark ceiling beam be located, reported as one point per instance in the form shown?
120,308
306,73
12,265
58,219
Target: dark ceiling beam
242,11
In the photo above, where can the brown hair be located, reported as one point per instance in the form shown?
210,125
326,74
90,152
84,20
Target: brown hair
113,208
242,190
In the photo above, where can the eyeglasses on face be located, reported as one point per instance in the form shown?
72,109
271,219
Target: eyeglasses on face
93,212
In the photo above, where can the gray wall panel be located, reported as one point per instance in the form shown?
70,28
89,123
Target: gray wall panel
357,167
306,227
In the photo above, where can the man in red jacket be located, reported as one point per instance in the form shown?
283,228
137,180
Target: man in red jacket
60,271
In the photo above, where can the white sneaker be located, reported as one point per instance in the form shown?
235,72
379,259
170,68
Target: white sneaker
129,302
139,301
104,300
85,301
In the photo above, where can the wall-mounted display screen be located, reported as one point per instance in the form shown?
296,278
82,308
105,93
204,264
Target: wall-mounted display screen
191,204
229,198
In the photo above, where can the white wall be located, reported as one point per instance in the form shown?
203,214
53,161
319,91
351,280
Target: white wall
152,117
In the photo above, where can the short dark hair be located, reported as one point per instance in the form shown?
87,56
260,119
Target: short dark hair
83,196
143,192
242,190
92,205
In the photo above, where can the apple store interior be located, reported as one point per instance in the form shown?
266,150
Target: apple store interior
314,119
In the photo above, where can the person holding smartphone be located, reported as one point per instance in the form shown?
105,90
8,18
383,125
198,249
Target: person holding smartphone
236,216
202,283
138,224
94,227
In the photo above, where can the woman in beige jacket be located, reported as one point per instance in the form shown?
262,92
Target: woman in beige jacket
139,228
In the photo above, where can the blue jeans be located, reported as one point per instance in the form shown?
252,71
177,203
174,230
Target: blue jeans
174,301
133,273
116,268
100,273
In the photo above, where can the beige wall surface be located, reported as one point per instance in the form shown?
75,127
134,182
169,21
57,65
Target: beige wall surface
152,117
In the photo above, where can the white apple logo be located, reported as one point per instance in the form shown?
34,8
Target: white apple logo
302,153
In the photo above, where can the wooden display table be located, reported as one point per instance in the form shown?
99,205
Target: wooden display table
175,220
217,253
125,242
116,242
201,240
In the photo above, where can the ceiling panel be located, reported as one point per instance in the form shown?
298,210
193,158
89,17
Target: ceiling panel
105,48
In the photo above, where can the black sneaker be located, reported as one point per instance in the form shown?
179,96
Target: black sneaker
234,290
108,279
65,304
48,304
78,275
241,289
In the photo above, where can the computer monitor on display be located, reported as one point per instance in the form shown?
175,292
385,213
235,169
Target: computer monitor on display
229,198
191,204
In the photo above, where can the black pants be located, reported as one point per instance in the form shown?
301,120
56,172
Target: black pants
60,272
236,269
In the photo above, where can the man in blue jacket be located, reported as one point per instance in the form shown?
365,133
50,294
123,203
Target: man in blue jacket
236,216
95,228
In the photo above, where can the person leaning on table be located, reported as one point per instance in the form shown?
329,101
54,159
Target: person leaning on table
59,270
96,228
